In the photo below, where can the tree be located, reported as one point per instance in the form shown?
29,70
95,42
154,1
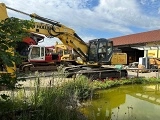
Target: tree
12,31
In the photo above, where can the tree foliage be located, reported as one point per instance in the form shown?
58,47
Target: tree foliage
12,31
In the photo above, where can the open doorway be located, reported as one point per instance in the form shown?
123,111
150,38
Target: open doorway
132,54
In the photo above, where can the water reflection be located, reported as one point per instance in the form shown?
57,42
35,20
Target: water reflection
134,102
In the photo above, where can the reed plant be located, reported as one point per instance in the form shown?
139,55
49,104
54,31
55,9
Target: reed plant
53,102
59,100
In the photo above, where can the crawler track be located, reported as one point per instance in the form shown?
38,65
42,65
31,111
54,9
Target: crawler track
91,73
96,73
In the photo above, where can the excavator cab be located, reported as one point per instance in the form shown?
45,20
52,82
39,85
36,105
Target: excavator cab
64,51
42,54
100,51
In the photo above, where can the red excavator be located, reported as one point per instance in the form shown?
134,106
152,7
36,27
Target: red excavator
46,59
22,47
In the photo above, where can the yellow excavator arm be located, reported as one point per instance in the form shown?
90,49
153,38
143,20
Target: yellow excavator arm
97,51
3,12
52,29
66,35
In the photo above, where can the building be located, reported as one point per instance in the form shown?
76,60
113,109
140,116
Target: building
145,44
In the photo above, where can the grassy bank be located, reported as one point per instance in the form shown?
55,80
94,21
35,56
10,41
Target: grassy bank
59,102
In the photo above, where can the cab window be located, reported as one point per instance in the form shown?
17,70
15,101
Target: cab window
109,49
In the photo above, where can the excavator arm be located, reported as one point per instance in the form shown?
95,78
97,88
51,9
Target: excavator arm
3,12
97,52
53,28
65,34
89,53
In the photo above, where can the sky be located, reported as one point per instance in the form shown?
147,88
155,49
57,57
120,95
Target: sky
93,19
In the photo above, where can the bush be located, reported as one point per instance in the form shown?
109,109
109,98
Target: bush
12,31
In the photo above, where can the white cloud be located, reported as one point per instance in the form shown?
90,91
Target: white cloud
143,2
109,15
153,0
49,42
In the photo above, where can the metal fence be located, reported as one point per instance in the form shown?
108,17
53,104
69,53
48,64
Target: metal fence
144,72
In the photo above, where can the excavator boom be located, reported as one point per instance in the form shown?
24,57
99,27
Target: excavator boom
96,52
54,29
3,12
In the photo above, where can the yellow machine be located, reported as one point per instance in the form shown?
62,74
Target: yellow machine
6,69
96,53
64,51
10,70
68,57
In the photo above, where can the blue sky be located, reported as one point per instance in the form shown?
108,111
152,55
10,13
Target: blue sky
94,18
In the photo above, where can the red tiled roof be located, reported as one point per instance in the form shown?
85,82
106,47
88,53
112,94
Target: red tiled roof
150,36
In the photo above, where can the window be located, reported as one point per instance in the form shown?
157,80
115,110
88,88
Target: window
35,52
42,51
102,50
102,47
93,51
109,48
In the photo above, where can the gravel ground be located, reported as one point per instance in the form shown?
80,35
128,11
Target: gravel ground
147,75
30,85
50,81
134,74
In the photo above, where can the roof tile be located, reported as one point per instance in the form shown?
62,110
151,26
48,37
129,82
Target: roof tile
144,37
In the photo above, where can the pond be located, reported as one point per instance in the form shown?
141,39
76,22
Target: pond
131,102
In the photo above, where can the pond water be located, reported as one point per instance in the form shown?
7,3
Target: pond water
131,102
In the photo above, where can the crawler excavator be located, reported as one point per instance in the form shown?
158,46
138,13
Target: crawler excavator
96,53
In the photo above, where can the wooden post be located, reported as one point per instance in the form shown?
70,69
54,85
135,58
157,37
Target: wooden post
137,73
